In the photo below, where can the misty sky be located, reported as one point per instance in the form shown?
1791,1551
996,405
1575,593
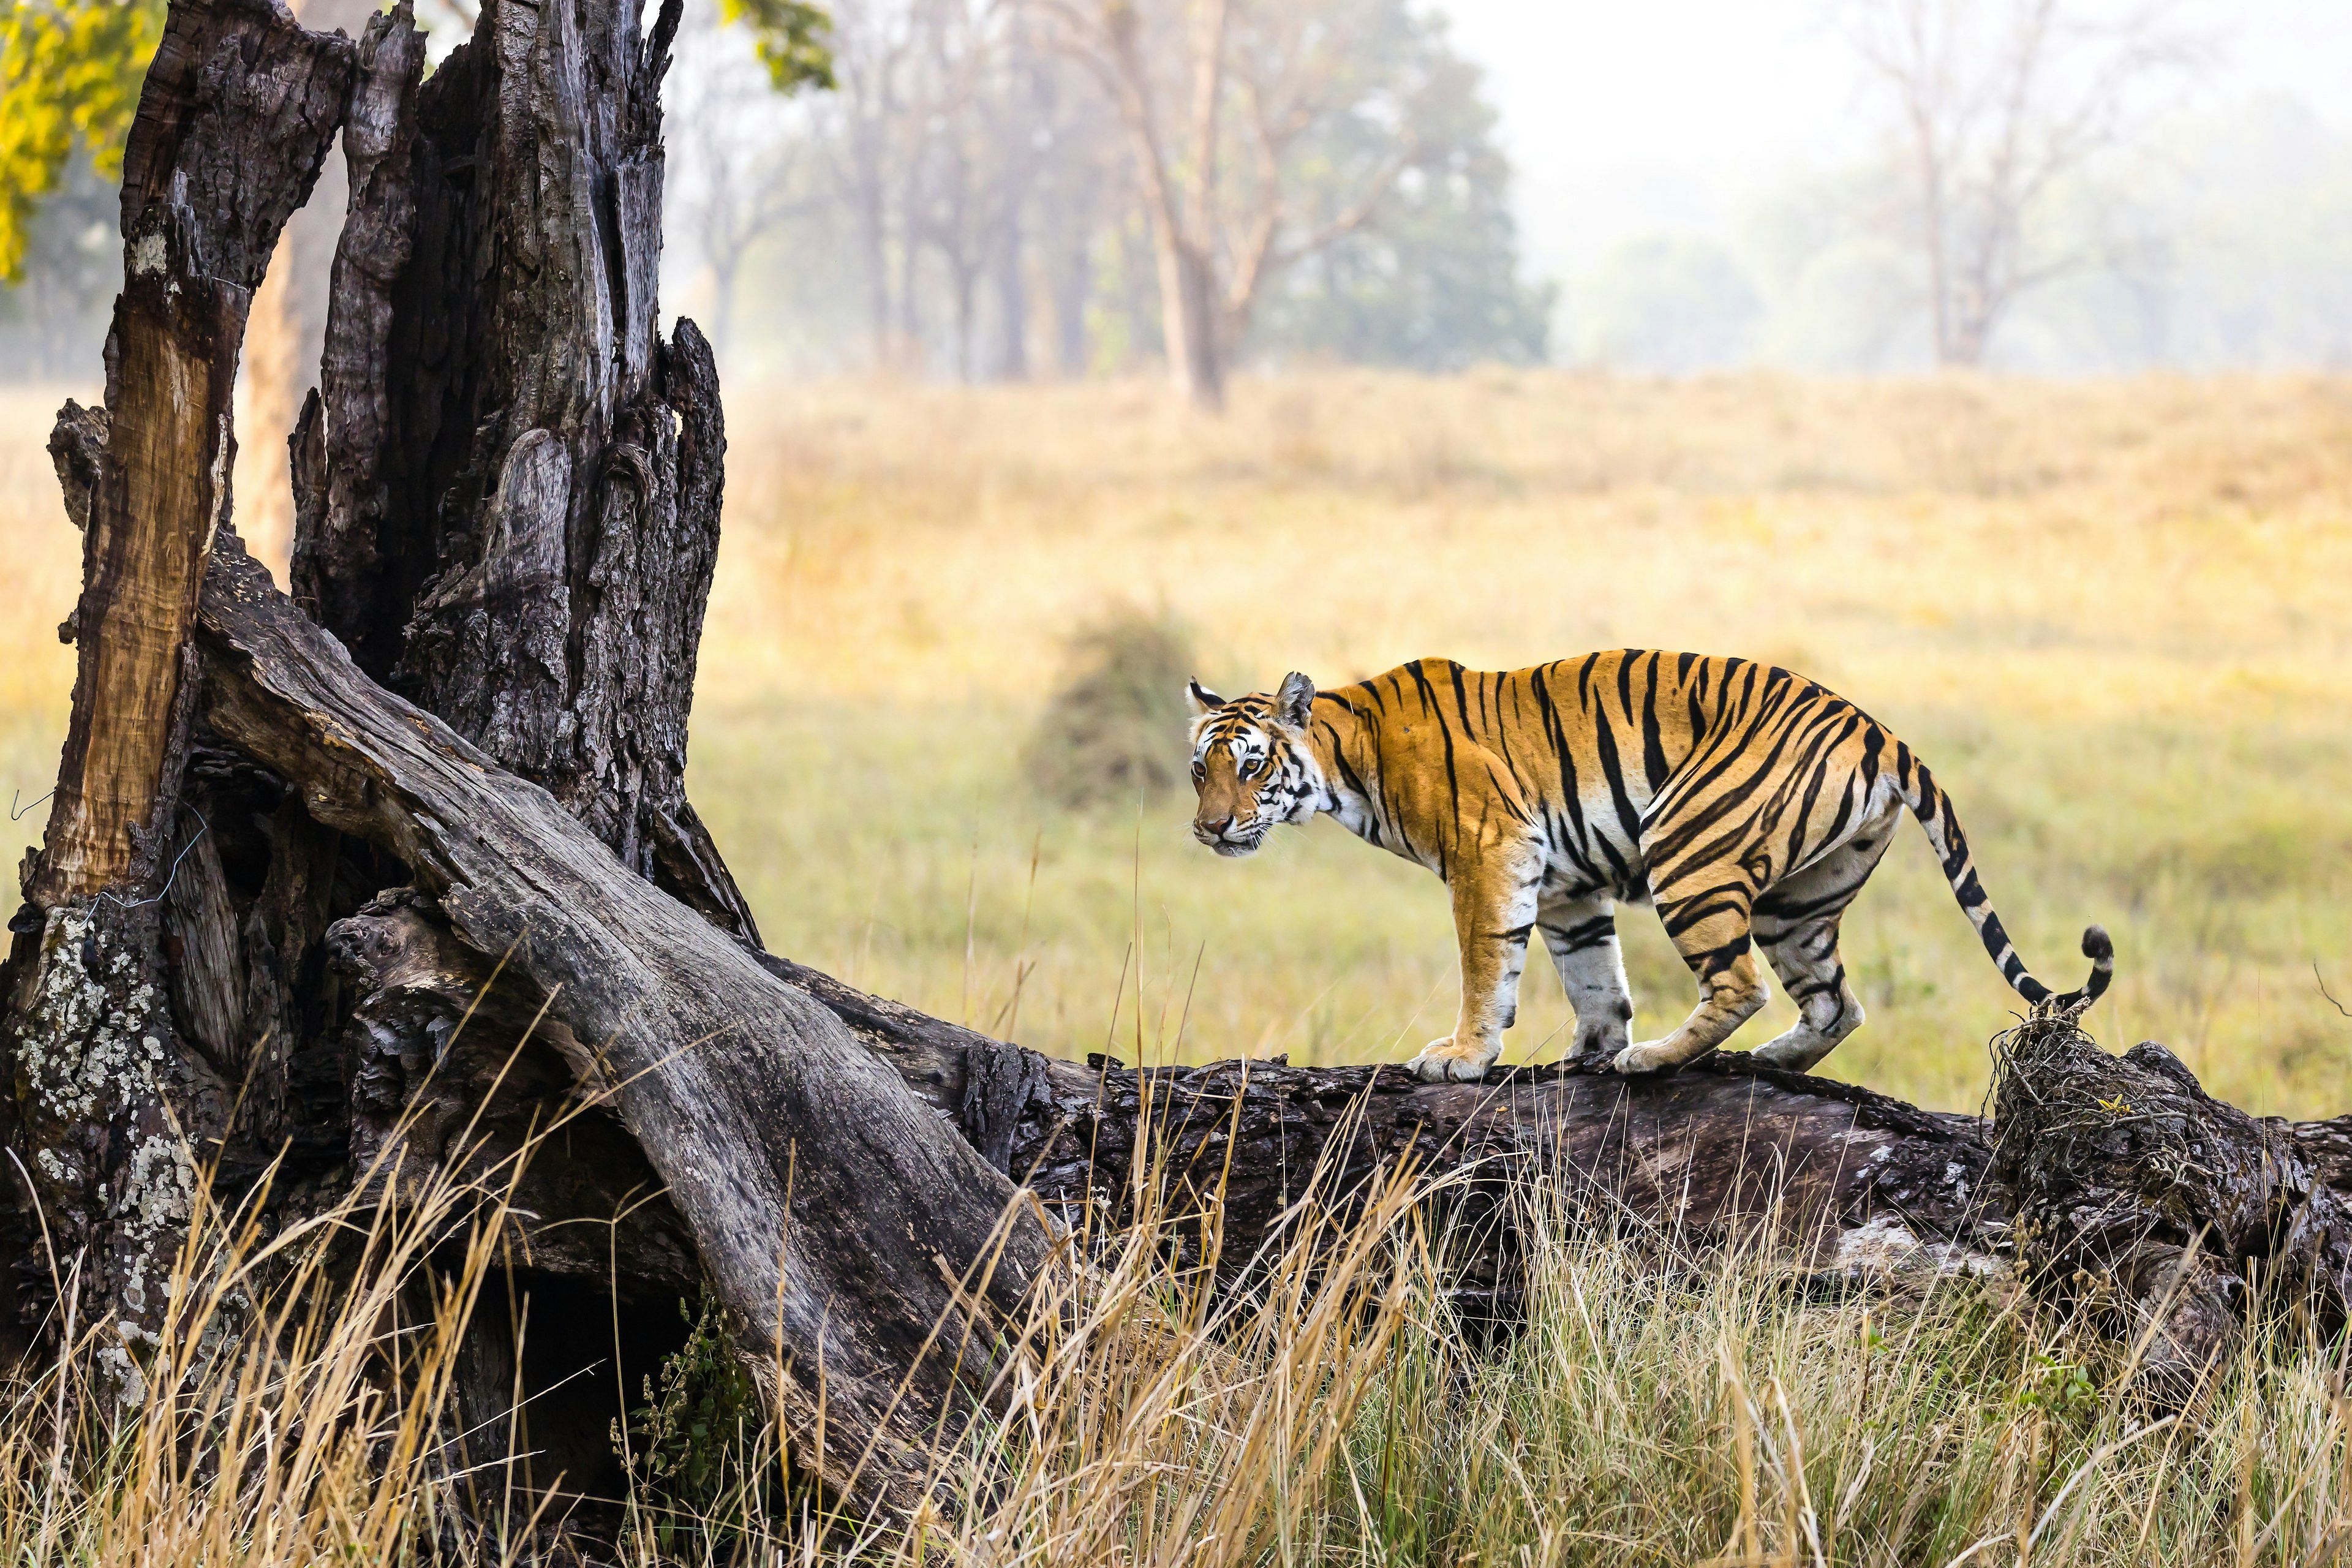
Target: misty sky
1627,116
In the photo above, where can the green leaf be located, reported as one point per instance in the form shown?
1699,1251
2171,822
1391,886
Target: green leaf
791,38
69,78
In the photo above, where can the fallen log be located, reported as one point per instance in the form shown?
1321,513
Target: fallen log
2102,1174
1850,1180
2114,1185
703,1053
840,1228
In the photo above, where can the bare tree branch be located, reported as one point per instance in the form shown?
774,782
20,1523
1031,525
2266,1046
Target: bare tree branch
2002,104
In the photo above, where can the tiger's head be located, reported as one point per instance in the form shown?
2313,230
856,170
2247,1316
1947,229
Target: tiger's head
1251,764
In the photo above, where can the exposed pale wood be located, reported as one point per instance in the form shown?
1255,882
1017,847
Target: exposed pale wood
233,124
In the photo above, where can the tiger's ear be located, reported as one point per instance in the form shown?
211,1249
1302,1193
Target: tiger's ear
1296,700
1203,700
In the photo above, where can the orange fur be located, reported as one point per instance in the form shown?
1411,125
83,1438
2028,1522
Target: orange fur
1748,803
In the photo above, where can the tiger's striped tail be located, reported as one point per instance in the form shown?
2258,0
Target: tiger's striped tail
1933,807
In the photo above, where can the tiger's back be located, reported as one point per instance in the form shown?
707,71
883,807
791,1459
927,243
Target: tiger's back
1748,803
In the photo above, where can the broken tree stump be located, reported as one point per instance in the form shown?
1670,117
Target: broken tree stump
839,1226
232,123
2158,1210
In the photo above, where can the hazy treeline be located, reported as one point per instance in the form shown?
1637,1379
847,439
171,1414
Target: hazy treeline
53,320
1010,189
2228,246
1004,190
2038,185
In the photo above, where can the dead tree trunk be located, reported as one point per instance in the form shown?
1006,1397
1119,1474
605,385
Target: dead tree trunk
237,112
519,513
506,499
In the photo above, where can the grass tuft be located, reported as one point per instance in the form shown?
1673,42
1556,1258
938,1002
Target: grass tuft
1114,731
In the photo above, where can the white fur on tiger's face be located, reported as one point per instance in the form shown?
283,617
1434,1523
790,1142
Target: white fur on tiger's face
1252,766
1746,804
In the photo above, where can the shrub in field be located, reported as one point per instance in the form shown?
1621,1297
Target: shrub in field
1115,730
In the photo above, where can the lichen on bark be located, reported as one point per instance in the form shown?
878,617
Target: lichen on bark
98,1073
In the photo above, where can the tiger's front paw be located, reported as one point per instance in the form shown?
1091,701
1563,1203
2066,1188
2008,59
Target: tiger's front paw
1443,1061
1598,1044
1650,1056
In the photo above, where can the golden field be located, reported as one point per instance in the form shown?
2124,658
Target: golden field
2116,617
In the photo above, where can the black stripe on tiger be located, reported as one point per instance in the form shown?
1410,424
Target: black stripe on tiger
1744,799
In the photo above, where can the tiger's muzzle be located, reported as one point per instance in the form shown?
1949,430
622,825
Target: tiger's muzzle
1229,837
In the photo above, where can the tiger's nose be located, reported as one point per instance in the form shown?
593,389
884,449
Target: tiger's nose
1213,829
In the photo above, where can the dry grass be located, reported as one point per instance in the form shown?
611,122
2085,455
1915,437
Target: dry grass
2117,618
1660,1406
295,1409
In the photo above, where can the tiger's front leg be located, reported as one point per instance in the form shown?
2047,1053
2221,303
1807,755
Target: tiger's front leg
1494,916
1583,936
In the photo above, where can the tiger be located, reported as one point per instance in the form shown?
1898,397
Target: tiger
1746,802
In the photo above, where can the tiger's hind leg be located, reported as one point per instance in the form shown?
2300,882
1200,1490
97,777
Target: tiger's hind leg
1581,934
1805,957
1709,927
1797,926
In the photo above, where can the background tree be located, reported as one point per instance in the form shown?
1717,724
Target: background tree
1431,280
1998,105
792,38
738,161
969,201
1261,134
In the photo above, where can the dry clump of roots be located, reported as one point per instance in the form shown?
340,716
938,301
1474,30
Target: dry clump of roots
2160,1213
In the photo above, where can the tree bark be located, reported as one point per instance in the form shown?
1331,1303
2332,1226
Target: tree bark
522,482
1188,294
839,1224
232,123
2157,1210
284,327
507,498
2111,1185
